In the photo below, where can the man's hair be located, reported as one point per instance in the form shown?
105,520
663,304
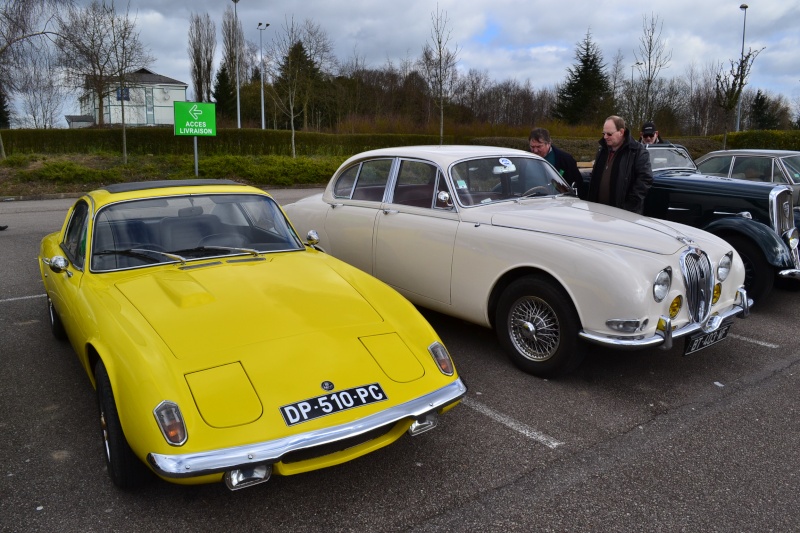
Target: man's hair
619,122
539,135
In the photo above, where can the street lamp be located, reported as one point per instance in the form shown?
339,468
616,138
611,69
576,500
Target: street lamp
262,27
743,7
634,65
236,58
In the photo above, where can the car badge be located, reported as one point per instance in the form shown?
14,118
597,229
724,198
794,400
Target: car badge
685,240
786,209
327,385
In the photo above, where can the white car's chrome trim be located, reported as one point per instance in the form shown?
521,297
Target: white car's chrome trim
214,461
665,338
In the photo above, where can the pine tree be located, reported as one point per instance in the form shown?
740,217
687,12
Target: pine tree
5,111
586,97
762,116
224,94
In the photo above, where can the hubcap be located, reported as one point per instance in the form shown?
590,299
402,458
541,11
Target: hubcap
534,329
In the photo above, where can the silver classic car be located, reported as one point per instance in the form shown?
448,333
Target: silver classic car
496,237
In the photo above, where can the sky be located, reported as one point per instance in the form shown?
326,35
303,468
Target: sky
533,41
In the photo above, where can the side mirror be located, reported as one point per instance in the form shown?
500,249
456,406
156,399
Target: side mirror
313,237
443,197
58,264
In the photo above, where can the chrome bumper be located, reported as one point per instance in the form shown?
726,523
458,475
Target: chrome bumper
250,455
664,338
789,273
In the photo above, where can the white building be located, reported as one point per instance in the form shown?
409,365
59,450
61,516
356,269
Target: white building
147,99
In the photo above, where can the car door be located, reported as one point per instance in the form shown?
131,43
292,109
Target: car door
350,223
416,233
64,287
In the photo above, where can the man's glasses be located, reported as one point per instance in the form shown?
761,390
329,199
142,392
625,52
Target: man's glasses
648,135
605,134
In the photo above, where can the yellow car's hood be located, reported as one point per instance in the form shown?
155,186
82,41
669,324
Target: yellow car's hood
211,309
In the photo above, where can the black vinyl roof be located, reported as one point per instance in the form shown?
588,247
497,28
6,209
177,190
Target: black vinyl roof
162,184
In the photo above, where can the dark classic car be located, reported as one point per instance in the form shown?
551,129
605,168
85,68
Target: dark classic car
775,166
757,218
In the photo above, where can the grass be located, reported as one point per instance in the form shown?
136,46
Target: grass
42,174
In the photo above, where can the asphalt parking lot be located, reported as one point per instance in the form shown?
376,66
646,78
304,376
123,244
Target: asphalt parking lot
635,441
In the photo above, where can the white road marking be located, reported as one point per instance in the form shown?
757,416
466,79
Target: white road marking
529,432
4,300
754,341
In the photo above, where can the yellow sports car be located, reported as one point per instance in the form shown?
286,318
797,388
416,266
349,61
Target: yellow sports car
221,347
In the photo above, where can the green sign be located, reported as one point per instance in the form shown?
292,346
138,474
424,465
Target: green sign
195,119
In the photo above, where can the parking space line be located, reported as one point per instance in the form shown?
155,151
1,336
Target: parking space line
509,422
4,300
754,341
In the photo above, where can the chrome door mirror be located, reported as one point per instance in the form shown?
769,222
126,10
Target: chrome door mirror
58,264
313,237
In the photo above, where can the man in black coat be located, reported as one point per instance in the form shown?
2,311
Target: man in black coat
621,175
564,163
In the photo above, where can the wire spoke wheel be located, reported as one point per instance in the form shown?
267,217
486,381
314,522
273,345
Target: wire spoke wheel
536,323
534,329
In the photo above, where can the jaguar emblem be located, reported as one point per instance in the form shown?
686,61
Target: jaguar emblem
327,386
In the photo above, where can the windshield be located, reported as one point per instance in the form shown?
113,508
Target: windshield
671,157
792,164
494,179
145,232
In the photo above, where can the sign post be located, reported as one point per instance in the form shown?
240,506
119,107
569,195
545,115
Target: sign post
195,119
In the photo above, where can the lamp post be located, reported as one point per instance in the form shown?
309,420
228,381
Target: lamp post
743,7
262,27
236,58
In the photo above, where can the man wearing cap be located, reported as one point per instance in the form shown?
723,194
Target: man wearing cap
649,134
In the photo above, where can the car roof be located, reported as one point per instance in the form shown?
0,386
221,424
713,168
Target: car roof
160,188
751,151
441,154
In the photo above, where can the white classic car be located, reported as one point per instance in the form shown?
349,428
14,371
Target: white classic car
496,237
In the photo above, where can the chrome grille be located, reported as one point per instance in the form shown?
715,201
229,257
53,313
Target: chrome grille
699,281
781,210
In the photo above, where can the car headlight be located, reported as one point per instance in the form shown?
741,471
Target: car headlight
792,238
170,422
442,358
724,267
662,284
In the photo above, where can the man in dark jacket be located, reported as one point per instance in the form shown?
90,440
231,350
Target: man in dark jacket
621,175
564,163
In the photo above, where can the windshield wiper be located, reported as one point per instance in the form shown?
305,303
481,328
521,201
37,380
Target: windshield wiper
143,253
250,251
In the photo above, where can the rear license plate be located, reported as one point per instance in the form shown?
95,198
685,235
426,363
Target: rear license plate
298,412
699,341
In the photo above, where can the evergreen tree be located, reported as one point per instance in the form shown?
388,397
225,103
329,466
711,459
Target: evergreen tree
224,94
5,111
297,78
586,96
762,116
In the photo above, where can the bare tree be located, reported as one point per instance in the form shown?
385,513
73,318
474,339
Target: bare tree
21,20
40,88
651,58
729,85
202,45
287,73
234,51
439,63
99,49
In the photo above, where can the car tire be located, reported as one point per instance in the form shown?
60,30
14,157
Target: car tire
759,275
124,468
56,326
537,325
